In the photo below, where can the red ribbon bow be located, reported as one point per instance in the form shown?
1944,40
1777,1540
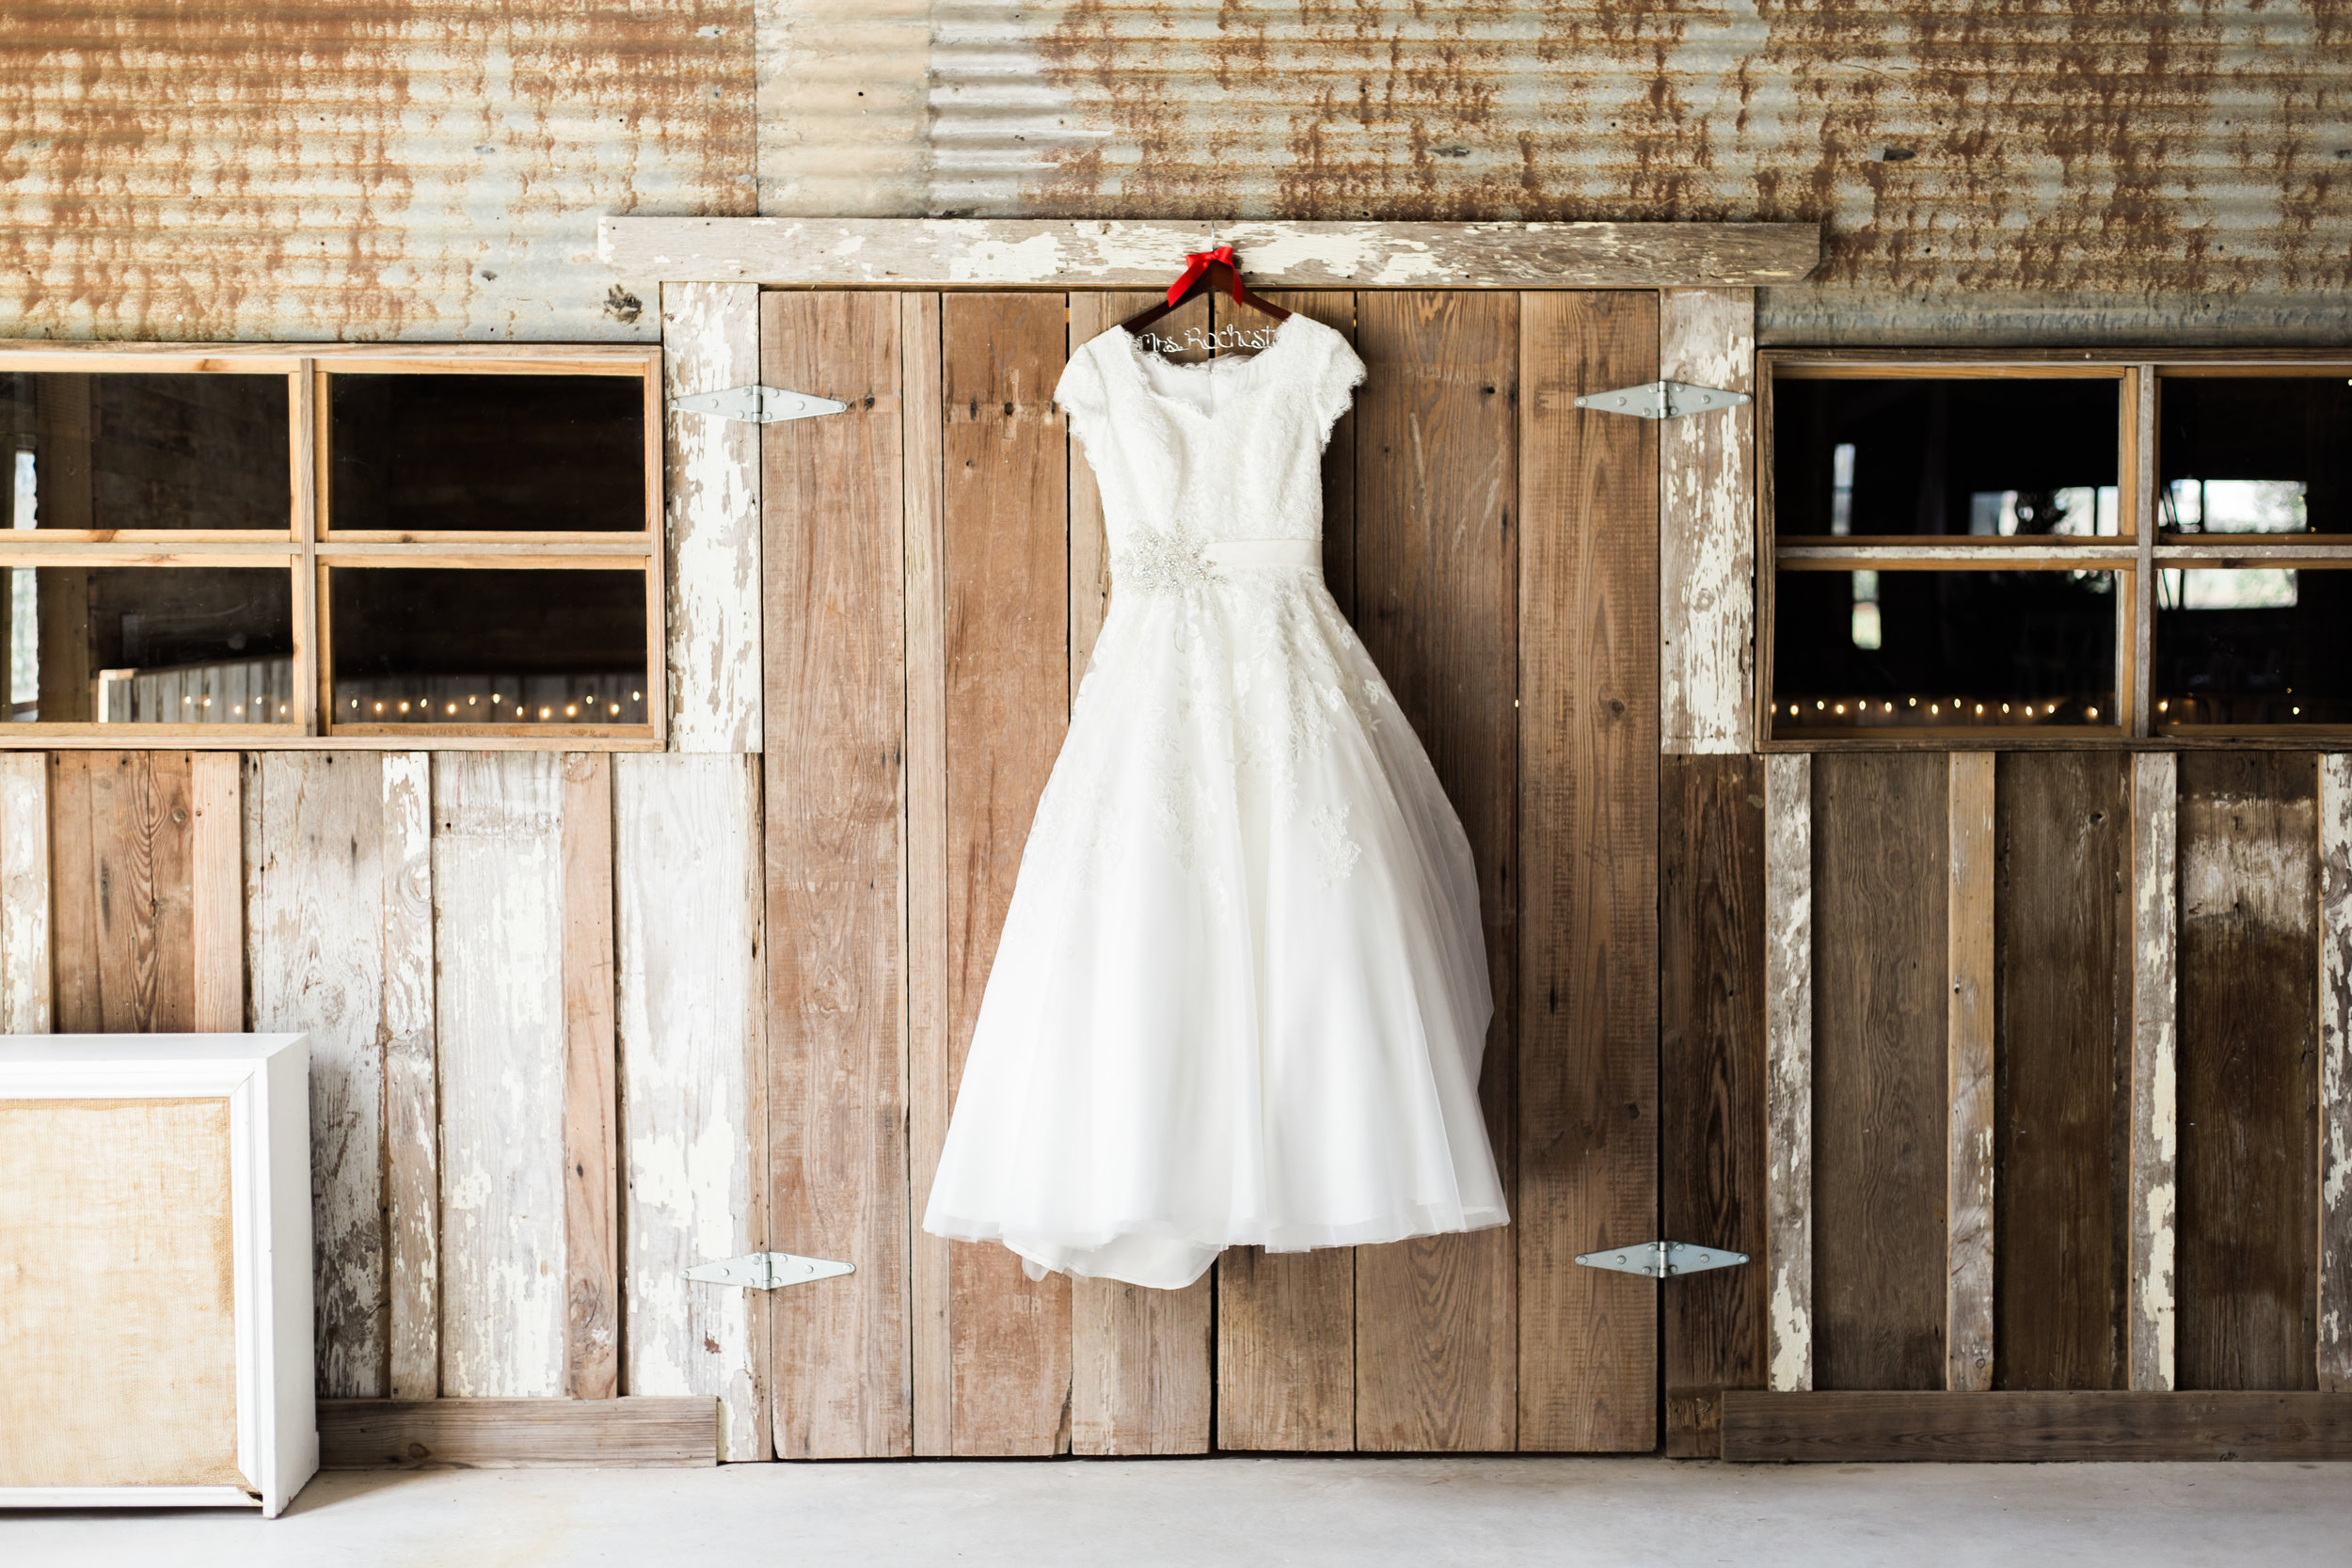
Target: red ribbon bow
1196,263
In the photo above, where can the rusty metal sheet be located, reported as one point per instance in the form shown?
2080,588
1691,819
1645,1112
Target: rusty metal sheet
2037,169
384,170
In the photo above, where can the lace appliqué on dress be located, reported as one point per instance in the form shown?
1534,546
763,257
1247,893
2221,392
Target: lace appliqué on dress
1335,852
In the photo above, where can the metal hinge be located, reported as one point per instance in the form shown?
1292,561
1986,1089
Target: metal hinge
1660,1259
1662,400
767,1271
758,404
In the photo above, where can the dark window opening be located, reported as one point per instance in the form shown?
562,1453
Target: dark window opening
2256,645
2255,455
115,454
149,645
487,453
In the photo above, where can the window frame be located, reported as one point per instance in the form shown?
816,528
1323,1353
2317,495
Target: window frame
2136,553
309,550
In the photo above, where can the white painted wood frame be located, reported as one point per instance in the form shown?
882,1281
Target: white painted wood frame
2155,1116
1707,528
1788,1073
961,253
264,1078
710,343
2335,1073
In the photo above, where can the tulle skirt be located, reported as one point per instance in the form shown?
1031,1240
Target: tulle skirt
1240,993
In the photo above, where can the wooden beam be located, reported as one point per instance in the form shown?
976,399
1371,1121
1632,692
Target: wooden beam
1876,1427
2335,1073
25,968
1788,1083
1706,527
216,864
412,1099
1045,253
710,343
637,1432
2156,1127
592,1260
1968,1045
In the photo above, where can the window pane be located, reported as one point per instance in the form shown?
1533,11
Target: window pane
1924,456
1875,650
513,454
146,452
2256,454
484,647
149,645
2257,645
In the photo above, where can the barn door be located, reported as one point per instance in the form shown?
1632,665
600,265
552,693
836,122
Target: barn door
934,576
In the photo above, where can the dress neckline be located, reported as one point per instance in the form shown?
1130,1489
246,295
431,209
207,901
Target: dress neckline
1133,352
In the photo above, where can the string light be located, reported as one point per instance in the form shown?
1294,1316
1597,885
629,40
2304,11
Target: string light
2091,713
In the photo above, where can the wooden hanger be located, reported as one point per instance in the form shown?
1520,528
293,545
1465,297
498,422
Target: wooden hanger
1203,272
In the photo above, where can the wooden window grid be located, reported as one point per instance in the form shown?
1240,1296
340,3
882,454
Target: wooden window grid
2137,553
311,549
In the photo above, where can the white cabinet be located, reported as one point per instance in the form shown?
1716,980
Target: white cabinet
155,1270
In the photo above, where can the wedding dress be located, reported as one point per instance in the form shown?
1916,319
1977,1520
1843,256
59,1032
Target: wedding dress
1240,993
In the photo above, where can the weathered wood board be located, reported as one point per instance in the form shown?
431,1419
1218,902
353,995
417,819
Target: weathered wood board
837,679
690,1005
641,1432
1585,641
25,1005
983,253
1969,1039
1789,1068
1880,884
122,891
2249,1071
1711,1068
1706,527
710,495
498,899
2005,1426
2151,1189
1435,1352
2062,1101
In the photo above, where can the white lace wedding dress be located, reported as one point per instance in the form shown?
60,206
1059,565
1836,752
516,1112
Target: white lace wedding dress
1240,993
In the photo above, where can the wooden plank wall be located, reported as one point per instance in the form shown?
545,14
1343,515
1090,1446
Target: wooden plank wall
530,984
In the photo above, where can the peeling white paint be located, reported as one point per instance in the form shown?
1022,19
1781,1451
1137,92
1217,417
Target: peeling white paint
2156,1078
498,892
25,973
1030,261
686,853
1707,545
1789,1079
710,343
2261,880
2335,1071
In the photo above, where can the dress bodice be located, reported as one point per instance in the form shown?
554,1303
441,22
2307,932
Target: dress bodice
1229,449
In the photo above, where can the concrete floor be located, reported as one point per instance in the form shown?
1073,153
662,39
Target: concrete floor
1362,1513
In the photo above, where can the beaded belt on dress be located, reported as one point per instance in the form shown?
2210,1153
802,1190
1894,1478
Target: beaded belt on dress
1264,552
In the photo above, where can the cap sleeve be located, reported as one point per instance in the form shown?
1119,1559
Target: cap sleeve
1335,379
1082,395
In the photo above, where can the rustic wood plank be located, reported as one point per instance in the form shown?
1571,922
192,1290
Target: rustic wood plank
1712,1074
1880,896
592,1253
314,871
216,889
982,253
2150,1187
1788,1088
689,993
1968,1228
1706,527
1588,601
1286,1349
1006,609
710,495
1286,1322
1140,1367
638,1433
498,897
1436,1346
2249,1073
1140,1358
835,563
1876,1428
25,1005
2062,1106
2335,1072
412,1096
123,882
930,1065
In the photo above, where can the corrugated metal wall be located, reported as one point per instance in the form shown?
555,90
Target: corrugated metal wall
354,168
2029,169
